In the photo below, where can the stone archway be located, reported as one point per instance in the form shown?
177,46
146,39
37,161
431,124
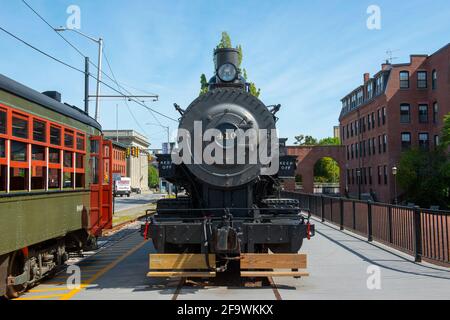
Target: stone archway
307,156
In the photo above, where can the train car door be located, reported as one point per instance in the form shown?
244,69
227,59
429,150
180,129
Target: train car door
101,185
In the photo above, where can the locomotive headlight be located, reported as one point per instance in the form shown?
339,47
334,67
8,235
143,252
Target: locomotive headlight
227,72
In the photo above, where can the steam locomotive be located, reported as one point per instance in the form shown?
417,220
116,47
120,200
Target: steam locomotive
231,173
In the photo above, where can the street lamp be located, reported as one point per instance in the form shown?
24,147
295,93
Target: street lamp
394,173
358,174
99,41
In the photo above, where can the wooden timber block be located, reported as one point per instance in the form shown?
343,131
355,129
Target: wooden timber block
185,261
245,274
273,261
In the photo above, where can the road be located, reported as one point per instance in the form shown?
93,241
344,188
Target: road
338,264
124,203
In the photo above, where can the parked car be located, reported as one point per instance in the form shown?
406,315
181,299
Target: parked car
122,187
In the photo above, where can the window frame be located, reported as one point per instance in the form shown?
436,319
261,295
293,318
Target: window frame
421,120
409,113
419,81
403,81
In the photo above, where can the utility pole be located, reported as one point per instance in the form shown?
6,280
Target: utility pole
99,78
86,85
117,122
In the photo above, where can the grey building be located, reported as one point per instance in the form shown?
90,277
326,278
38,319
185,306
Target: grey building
137,167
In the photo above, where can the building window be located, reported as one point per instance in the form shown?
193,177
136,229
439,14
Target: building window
18,151
68,179
422,79
379,87
380,144
406,141
20,127
349,181
353,150
79,161
55,136
384,115
434,80
385,175
404,79
435,112
423,141
369,123
370,175
384,143
423,113
3,121
37,153
436,141
379,117
369,91
39,131
356,150
405,113
379,174
3,178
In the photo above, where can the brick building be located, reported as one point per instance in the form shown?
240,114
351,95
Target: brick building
119,159
400,107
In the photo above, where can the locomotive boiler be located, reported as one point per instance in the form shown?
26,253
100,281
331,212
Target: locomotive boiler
229,163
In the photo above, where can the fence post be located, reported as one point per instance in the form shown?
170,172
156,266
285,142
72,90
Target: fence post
354,214
390,223
322,209
369,221
417,234
341,219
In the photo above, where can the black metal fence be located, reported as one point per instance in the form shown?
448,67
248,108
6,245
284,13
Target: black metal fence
422,233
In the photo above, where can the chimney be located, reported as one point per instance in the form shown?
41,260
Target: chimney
386,66
55,95
366,77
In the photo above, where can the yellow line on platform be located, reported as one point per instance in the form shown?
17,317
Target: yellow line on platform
70,294
53,289
40,297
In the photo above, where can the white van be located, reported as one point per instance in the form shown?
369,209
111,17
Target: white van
122,187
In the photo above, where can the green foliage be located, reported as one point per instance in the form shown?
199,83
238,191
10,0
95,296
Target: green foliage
153,177
446,132
326,170
303,140
225,41
330,141
253,91
203,84
425,177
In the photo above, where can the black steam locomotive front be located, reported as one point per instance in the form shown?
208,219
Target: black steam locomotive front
230,204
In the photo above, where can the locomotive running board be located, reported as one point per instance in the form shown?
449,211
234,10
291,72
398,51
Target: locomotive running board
182,265
263,265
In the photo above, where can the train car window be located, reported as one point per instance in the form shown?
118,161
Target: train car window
39,131
2,148
79,180
79,161
68,139
38,153
3,121
55,136
18,151
94,164
2,178
54,178
80,142
38,178
68,179
18,180
53,156
20,127
94,146
68,159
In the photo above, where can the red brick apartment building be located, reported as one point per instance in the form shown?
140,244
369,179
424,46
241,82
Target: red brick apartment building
400,107
119,159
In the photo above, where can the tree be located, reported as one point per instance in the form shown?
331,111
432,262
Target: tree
203,84
446,132
425,177
303,140
326,170
330,141
153,176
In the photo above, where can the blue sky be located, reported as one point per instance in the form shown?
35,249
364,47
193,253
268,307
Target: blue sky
305,55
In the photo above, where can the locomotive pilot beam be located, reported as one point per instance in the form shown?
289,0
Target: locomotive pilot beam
230,163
